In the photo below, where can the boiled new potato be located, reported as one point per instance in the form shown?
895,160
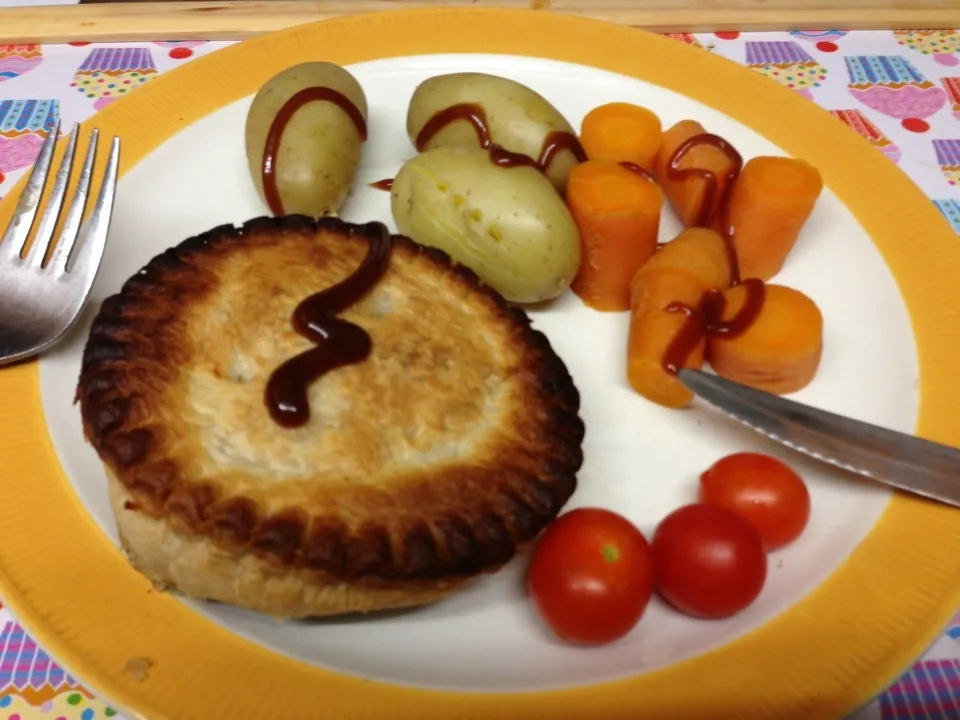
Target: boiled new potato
518,118
319,149
508,225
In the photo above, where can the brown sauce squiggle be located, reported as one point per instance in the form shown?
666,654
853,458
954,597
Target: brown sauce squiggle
714,207
555,143
279,124
637,170
706,320
504,158
339,342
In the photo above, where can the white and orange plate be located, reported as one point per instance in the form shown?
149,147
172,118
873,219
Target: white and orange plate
869,584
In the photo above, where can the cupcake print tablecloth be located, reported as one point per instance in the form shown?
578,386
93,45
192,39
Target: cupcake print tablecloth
900,90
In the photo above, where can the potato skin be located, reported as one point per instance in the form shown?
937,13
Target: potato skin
508,225
320,148
519,119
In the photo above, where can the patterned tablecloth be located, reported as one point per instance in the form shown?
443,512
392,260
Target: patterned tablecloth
901,90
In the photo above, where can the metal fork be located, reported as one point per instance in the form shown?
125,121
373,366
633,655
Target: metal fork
40,296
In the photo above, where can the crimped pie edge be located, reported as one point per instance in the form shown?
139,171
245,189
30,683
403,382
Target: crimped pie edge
454,545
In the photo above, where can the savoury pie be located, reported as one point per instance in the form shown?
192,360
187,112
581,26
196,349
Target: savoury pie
434,459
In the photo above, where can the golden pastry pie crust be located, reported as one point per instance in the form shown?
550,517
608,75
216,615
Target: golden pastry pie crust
451,447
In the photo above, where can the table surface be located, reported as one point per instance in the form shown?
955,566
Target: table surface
917,126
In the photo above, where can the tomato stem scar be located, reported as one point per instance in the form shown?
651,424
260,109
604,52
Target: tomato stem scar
611,553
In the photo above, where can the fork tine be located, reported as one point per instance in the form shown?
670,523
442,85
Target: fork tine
24,214
48,221
95,237
71,226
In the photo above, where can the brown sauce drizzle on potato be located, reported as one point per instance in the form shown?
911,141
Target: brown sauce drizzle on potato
553,144
275,133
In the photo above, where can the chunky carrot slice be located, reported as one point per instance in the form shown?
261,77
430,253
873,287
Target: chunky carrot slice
679,274
652,330
700,252
769,204
780,351
621,132
618,214
687,195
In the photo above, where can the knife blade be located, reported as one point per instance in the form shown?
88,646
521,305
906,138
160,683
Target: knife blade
906,462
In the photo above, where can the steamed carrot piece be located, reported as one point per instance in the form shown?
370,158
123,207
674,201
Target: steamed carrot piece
686,195
780,351
686,268
699,252
621,132
618,214
769,204
653,329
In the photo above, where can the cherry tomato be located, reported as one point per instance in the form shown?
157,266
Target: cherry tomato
708,561
763,491
591,576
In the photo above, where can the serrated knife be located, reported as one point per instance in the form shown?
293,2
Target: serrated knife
902,461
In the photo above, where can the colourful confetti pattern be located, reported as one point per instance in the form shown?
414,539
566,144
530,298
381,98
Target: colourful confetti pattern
23,126
951,211
942,45
787,63
922,692
110,73
15,60
890,84
859,122
948,157
900,91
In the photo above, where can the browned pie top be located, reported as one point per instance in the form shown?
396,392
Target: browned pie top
456,440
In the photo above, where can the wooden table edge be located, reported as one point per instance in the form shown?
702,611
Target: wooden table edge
238,19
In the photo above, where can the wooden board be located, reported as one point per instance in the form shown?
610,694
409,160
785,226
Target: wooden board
238,19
